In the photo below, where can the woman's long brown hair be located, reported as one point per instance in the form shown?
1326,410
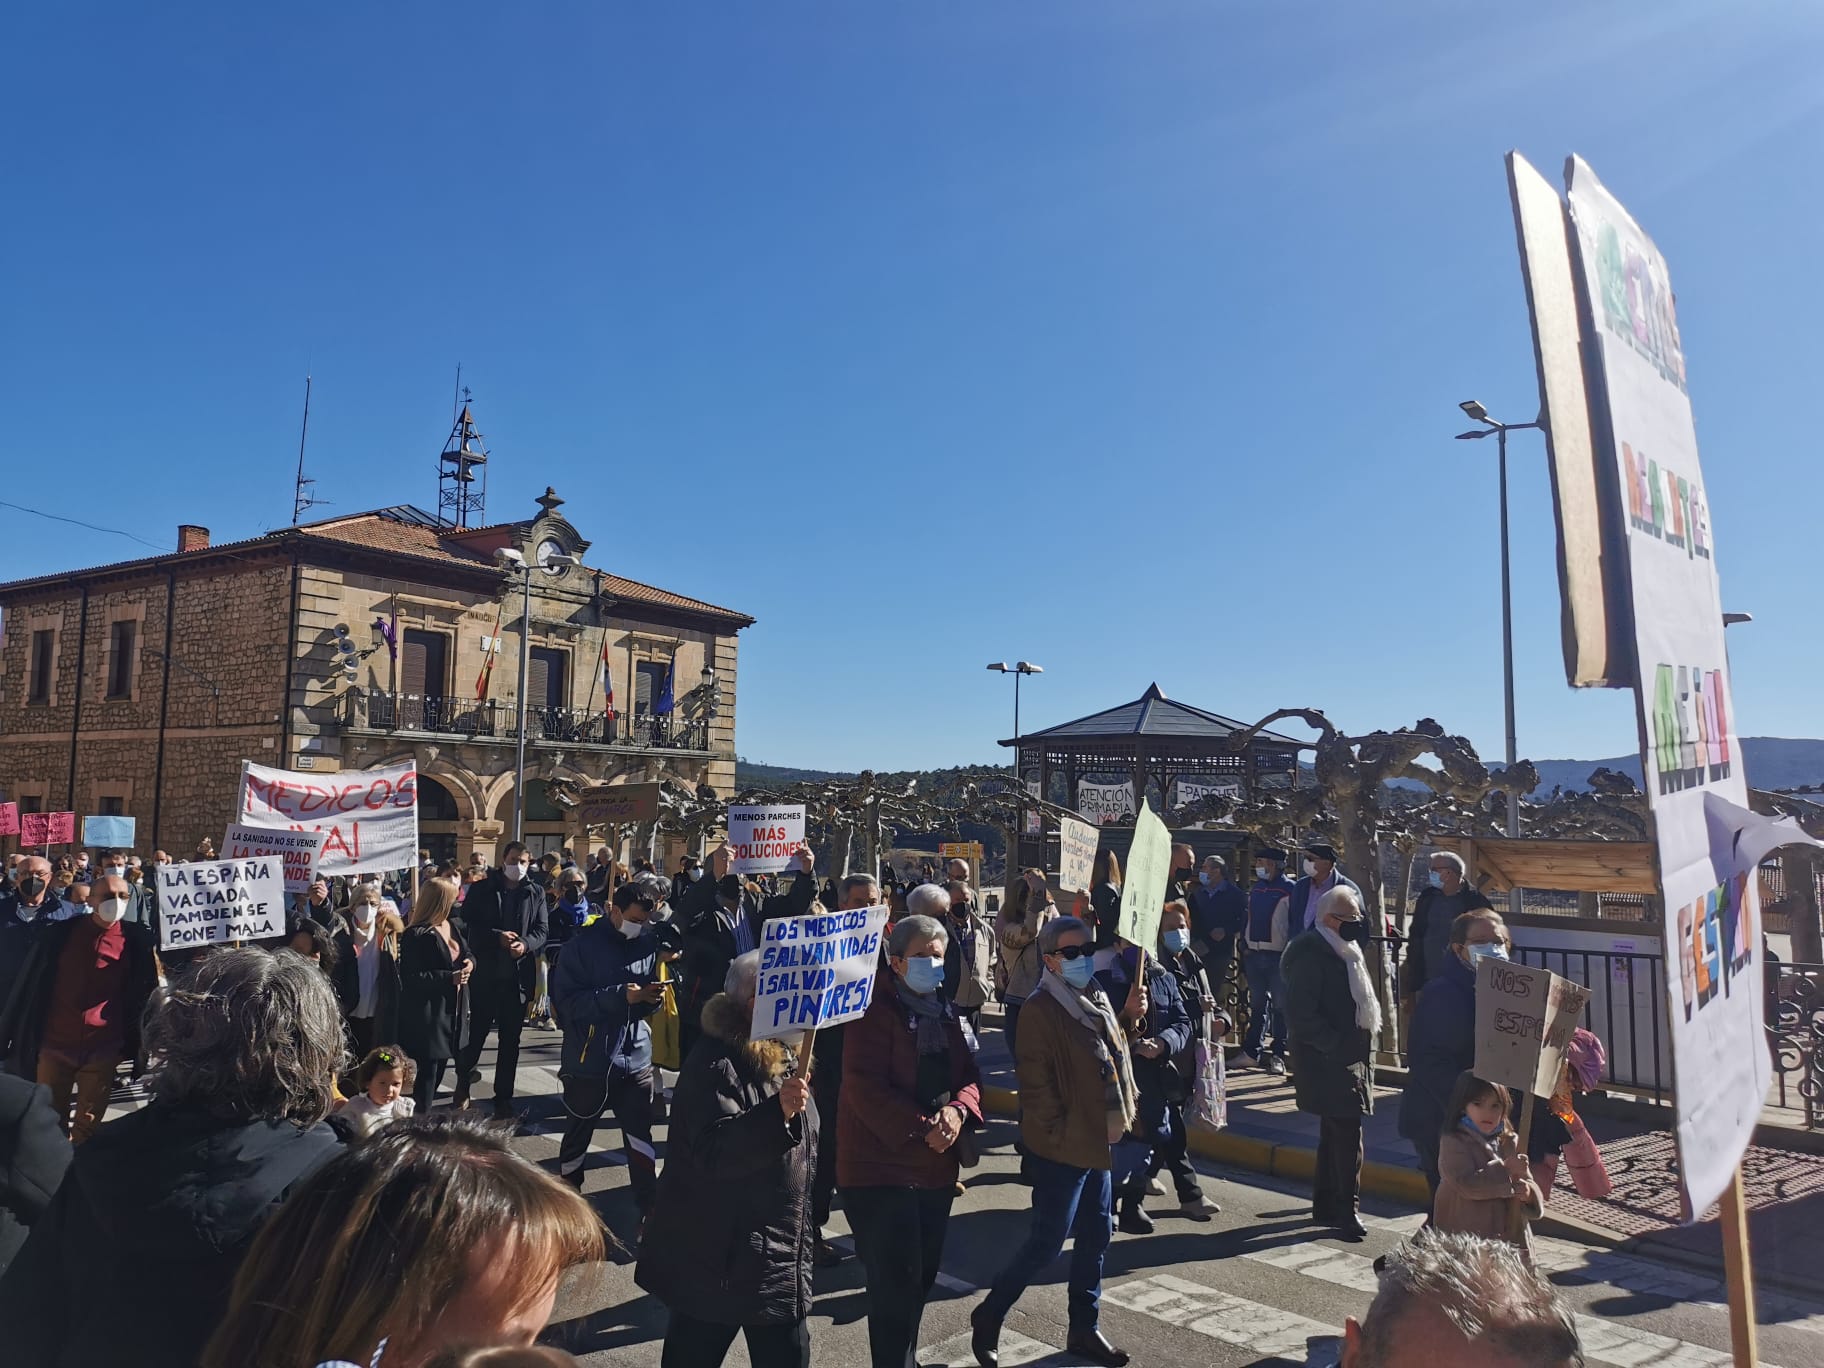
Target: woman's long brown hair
383,1238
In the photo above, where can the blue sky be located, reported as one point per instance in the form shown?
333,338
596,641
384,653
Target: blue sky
1124,338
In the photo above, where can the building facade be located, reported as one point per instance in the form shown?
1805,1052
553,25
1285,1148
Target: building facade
139,688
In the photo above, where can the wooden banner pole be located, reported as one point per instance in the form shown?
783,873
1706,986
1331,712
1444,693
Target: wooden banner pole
804,1053
1738,1274
1516,1206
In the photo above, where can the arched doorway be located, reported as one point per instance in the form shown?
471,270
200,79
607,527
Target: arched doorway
438,816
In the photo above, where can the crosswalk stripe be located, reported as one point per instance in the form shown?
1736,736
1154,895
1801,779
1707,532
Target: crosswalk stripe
1264,1330
1015,1349
1603,1341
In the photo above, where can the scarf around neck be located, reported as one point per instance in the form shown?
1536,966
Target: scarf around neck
932,1015
1091,1010
1367,1006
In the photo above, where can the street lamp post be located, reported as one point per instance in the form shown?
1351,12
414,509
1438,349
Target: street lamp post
1024,667
509,559
1480,415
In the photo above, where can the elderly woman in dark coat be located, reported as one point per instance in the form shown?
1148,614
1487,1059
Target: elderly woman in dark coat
729,1244
1333,1016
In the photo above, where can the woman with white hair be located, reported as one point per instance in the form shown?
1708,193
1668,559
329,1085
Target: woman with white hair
910,1096
1333,1016
729,1244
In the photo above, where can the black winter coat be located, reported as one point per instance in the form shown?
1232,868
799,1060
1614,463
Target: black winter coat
346,977
731,1236
709,942
493,906
1443,1045
1330,1069
33,1156
133,1261
433,1011
23,1019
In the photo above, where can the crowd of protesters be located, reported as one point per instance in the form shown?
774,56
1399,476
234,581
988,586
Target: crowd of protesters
291,1194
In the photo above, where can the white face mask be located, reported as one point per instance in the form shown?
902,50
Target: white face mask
1310,869
111,910
364,914
1263,871
696,873
633,930
118,871
514,872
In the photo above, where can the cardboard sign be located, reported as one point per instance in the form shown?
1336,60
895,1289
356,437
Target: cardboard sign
960,850
1524,1020
115,832
298,849
212,902
9,819
762,839
816,971
619,805
369,818
1076,854
47,828
1149,869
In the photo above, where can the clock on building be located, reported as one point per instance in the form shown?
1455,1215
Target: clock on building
548,548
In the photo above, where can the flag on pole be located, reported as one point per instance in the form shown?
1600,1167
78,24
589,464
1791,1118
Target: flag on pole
666,703
487,663
607,678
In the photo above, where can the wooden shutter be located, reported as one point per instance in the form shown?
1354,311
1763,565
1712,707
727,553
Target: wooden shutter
421,664
548,683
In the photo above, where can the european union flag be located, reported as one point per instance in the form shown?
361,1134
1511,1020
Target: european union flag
666,703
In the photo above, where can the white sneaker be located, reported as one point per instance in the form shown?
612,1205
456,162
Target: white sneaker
1155,1188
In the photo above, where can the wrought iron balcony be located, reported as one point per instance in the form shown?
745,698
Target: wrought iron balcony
498,720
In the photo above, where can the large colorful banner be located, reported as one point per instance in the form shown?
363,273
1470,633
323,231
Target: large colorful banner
1690,752
369,818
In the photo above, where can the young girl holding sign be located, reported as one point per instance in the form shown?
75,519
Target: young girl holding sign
1482,1170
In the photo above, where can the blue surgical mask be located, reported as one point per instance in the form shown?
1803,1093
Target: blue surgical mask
1204,878
1485,950
1437,879
924,974
1079,971
1178,940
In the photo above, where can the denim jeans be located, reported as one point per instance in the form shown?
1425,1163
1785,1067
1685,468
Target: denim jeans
1066,1203
1262,969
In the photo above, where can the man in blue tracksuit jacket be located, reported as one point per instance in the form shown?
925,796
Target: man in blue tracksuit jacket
603,989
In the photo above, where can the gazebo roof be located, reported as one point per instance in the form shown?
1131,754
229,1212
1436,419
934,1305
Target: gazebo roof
1150,715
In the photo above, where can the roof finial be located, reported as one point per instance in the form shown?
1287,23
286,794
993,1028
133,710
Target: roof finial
549,500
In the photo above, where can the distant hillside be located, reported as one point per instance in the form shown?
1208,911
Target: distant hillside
751,775
1773,762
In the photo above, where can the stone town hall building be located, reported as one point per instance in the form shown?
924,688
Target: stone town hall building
138,688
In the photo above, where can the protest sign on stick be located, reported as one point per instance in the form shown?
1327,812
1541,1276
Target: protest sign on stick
9,819
1076,854
47,828
214,902
298,849
369,818
114,832
816,971
1149,869
762,838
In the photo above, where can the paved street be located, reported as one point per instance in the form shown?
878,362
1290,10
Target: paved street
1255,1286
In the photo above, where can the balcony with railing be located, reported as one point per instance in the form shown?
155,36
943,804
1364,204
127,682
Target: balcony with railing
498,720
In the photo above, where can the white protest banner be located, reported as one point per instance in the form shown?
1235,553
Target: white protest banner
369,818
1149,869
1690,752
298,849
1190,790
1105,803
212,902
1524,1020
816,971
108,831
1076,854
763,838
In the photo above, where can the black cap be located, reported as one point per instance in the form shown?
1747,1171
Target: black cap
1322,851
1270,853
729,886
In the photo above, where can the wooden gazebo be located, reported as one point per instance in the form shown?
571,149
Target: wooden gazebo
1152,744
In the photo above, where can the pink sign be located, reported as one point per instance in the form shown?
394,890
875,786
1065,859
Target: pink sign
9,819
47,828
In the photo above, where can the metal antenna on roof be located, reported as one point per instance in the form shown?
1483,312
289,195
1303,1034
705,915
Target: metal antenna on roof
462,455
302,497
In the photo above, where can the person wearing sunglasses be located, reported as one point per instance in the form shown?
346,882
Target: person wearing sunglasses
1078,1098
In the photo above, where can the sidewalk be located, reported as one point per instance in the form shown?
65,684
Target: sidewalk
1268,1134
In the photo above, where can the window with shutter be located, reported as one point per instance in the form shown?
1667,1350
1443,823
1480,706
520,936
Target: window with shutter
38,687
122,637
649,680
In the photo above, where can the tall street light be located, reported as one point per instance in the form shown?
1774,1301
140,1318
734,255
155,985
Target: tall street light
1025,667
1479,414
551,563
